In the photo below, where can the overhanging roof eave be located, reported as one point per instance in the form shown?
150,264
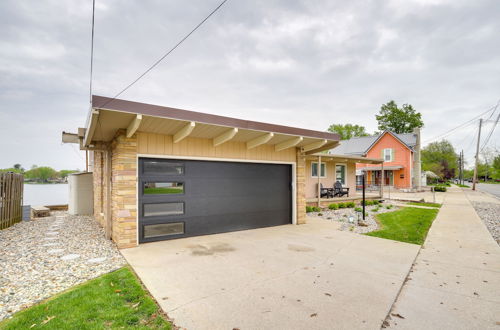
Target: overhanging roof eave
109,104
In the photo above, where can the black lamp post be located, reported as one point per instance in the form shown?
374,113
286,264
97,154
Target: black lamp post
364,201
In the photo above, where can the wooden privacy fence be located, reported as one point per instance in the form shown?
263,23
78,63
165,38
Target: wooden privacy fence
11,199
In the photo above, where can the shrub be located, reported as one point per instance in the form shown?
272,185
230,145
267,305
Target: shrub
341,205
309,209
333,206
440,188
375,202
375,209
316,209
388,207
358,209
367,202
350,205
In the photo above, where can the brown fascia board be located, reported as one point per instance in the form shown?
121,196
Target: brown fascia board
106,103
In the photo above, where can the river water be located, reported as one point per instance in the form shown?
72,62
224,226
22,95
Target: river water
45,194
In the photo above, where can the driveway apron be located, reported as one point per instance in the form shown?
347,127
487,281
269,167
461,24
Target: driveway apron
310,276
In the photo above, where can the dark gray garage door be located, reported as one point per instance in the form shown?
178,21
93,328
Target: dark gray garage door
181,198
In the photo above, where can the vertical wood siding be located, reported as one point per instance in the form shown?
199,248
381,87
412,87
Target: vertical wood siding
158,144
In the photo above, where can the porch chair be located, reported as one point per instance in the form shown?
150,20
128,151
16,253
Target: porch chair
325,192
340,191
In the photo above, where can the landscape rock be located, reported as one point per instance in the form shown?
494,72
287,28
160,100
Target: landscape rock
32,260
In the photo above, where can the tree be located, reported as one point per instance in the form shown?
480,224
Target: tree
496,168
42,173
348,131
64,173
440,158
11,169
398,120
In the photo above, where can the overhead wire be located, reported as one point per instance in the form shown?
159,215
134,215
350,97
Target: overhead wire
490,134
166,54
92,52
462,125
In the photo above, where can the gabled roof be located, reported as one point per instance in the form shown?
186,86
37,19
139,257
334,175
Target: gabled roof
361,145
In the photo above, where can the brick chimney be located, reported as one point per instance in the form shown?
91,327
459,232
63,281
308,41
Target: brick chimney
417,166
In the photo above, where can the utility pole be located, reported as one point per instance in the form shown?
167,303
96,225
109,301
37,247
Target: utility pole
477,155
460,168
462,165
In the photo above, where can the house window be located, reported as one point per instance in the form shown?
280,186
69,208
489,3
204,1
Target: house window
387,155
340,173
314,170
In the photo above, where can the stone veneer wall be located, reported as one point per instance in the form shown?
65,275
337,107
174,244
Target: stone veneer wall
97,170
301,187
124,190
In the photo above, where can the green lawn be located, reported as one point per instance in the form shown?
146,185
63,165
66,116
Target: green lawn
409,224
112,301
425,204
462,185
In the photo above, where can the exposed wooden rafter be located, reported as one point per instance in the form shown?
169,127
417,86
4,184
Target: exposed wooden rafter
263,139
134,125
314,145
288,144
224,137
184,132
327,146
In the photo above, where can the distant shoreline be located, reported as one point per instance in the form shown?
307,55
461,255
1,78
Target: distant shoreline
45,183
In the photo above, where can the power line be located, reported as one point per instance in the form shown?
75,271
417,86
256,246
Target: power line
92,52
462,125
490,134
167,53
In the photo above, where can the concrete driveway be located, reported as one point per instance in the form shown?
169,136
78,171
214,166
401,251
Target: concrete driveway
310,276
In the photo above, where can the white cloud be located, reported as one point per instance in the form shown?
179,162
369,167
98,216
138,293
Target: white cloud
286,62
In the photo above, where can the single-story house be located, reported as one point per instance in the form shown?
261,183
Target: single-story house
162,173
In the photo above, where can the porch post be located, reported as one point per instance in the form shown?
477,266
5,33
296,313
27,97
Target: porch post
382,183
319,183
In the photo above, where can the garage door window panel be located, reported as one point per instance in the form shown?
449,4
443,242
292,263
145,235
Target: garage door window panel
163,168
163,229
163,188
163,209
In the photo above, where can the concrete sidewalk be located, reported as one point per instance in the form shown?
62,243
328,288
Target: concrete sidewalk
455,281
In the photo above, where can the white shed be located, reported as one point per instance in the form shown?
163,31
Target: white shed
81,196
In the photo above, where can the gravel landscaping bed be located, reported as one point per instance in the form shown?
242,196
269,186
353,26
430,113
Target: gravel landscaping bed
42,257
490,214
343,215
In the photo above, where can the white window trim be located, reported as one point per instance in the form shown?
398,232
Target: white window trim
390,155
319,170
345,173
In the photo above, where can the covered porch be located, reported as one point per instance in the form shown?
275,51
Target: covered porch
332,178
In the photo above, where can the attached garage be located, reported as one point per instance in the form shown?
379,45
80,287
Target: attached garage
162,173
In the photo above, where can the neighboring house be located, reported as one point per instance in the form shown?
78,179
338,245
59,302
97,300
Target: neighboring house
334,168
163,173
400,152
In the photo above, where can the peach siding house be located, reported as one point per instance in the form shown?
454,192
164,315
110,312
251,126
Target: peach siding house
397,151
